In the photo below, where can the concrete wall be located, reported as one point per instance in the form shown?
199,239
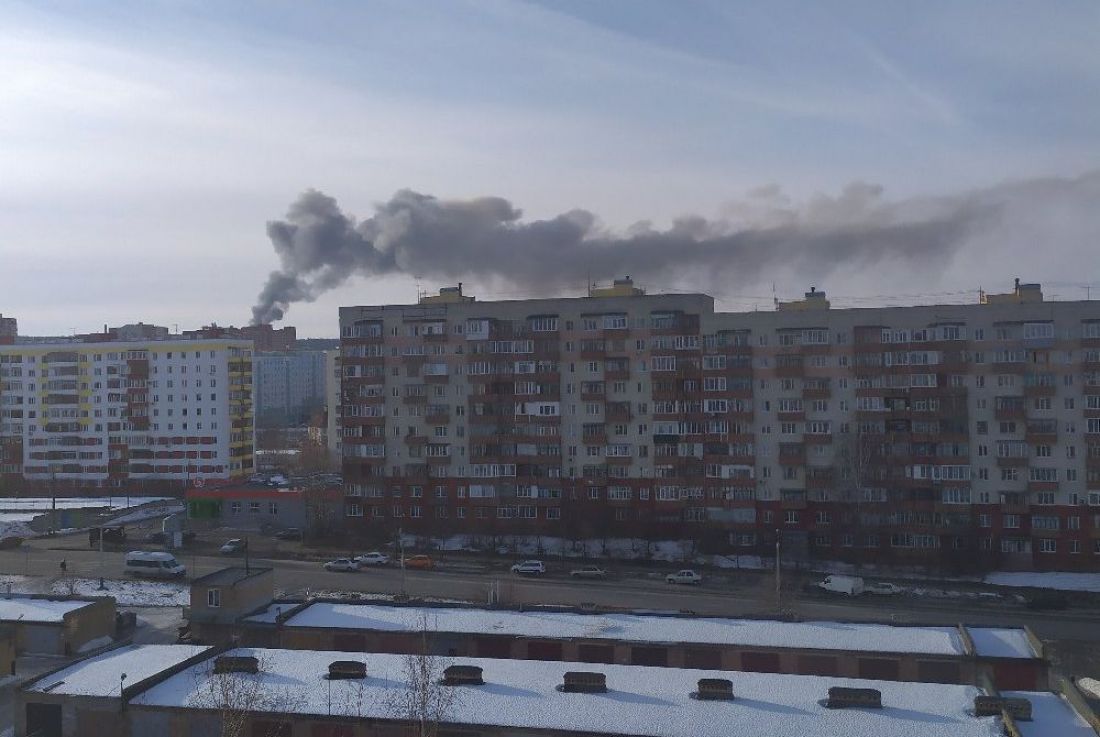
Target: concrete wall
237,599
89,623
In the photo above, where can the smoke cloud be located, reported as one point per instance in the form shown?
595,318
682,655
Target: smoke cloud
320,247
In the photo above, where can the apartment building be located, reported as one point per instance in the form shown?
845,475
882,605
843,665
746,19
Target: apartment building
8,330
158,413
333,430
290,387
949,435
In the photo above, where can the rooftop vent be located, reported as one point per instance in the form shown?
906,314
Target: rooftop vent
853,698
582,681
347,670
462,675
236,664
714,689
991,706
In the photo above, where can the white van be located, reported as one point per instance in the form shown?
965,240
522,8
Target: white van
154,565
850,585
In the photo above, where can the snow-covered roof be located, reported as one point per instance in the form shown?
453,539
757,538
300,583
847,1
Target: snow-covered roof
1048,710
654,702
856,637
26,609
994,642
101,675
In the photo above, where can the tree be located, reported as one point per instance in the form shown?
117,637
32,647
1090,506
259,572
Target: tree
238,695
424,701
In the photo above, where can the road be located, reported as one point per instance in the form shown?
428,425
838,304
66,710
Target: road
729,593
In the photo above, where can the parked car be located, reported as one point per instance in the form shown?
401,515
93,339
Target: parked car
419,561
373,559
529,568
111,536
837,584
158,538
588,572
882,588
1047,600
686,576
232,547
342,564
290,533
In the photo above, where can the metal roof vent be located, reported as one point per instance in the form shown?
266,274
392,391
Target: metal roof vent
853,698
583,681
991,706
347,670
462,675
714,689
236,664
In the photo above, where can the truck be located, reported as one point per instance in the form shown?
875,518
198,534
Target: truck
849,585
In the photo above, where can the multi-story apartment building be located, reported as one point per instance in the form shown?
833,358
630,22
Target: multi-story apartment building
954,435
332,403
8,330
290,387
158,413
264,337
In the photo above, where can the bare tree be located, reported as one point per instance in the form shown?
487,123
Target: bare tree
238,697
424,701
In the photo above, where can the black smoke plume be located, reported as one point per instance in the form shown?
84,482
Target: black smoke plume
320,247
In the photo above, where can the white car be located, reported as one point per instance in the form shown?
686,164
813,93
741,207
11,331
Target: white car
342,564
684,576
529,568
236,545
372,559
883,588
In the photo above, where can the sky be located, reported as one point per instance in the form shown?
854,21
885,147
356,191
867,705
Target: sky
145,146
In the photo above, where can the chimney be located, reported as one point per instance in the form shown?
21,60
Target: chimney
714,689
347,670
848,698
236,664
463,675
581,681
992,706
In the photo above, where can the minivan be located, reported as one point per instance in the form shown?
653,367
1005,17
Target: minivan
154,565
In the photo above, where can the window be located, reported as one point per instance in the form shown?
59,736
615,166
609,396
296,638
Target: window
273,508
254,507
213,598
1048,545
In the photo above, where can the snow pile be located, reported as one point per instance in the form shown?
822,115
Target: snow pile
96,644
128,593
15,528
1048,580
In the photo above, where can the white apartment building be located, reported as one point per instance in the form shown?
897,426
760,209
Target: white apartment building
289,386
107,414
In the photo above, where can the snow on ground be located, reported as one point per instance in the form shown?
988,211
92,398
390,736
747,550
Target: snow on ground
45,504
15,529
1046,580
522,695
127,592
96,644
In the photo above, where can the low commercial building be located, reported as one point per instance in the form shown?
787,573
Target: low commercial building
298,693
247,507
45,625
86,698
218,599
1005,657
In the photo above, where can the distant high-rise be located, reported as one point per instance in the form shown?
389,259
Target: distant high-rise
8,330
264,337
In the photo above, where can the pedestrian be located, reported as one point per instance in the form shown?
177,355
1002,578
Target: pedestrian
64,566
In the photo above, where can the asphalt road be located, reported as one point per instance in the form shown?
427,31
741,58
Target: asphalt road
724,593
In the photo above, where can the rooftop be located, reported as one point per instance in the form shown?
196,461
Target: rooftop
102,675
31,609
230,576
653,702
857,637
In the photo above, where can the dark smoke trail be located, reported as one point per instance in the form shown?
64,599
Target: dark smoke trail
320,247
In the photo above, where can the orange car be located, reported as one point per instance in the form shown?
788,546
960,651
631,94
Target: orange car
419,561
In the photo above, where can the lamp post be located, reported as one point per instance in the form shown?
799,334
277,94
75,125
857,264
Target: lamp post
778,575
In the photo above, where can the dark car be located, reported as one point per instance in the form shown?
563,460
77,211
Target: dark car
1047,601
291,533
111,535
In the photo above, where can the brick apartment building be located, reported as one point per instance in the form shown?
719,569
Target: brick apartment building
951,435
8,330
156,413
264,337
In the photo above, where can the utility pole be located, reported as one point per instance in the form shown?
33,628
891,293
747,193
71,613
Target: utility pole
401,552
778,576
